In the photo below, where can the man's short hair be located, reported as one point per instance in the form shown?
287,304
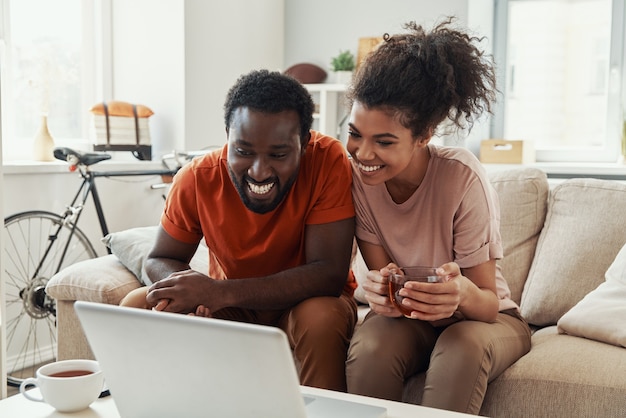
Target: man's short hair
271,92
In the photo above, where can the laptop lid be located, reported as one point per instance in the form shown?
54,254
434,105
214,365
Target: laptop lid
159,364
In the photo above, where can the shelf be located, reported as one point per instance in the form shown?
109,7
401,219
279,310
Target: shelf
325,87
327,97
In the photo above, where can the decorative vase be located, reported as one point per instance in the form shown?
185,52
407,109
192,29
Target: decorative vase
343,77
43,145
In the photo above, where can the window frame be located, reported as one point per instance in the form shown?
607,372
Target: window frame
610,152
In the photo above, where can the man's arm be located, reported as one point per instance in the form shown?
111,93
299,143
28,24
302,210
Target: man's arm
168,255
328,249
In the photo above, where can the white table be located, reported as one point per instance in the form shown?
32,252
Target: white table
17,406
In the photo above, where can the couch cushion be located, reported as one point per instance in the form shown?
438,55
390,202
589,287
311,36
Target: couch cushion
561,376
103,279
523,195
601,315
583,232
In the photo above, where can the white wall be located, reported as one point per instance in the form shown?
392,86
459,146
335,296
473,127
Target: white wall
317,29
3,325
148,64
181,57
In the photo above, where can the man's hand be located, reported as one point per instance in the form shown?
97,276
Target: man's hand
185,292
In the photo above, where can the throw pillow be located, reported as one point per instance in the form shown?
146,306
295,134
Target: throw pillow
133,245
523,196
583,232
359,268
601,314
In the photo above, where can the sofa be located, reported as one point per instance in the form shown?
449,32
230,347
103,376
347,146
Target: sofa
565,263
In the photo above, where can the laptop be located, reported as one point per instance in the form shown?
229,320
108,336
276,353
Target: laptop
159,364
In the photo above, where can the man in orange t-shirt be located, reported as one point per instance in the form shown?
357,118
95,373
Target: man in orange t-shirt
274,207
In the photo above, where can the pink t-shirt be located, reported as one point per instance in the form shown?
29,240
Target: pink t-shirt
454,215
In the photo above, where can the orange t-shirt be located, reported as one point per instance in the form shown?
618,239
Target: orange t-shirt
203,202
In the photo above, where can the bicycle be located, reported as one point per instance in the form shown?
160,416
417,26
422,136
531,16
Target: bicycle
38,244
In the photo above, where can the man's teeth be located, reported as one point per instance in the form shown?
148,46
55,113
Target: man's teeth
369,168
262,189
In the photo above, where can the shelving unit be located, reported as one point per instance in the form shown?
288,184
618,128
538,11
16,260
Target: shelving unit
330,109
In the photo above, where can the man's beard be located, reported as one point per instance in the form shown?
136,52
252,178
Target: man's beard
262,207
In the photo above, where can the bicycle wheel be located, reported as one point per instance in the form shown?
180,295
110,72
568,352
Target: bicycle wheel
30,313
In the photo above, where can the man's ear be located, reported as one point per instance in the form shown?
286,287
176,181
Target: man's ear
303,144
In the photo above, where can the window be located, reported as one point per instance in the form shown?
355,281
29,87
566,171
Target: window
561,72
48,67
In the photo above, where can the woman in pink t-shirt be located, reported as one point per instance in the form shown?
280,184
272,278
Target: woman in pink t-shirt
419,204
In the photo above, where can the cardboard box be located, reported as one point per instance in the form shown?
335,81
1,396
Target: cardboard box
500,151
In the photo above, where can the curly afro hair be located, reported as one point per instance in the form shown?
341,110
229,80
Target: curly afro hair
425,77
271,92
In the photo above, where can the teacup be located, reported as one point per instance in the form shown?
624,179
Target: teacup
67,386
399,277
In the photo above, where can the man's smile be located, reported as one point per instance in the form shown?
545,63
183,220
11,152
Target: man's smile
260,189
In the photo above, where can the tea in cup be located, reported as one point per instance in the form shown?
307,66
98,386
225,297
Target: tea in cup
400,276
67,386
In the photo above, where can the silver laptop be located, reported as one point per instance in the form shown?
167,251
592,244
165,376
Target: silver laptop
159,364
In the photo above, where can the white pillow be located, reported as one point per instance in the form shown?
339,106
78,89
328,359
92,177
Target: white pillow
132,247
359,268
601,314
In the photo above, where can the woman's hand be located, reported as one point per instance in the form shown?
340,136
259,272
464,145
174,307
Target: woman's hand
434,301
377,291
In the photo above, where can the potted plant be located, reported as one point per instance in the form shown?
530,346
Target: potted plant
343,65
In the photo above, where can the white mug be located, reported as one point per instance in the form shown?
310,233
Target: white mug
67,386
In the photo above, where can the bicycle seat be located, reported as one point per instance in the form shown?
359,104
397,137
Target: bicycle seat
76,157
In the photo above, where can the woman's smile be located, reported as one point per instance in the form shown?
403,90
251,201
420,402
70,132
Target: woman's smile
368,168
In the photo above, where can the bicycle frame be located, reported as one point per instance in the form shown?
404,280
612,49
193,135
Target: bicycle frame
74,210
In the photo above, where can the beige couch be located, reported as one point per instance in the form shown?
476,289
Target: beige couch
558,245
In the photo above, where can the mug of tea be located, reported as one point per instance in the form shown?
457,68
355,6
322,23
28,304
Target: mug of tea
401,275
67,386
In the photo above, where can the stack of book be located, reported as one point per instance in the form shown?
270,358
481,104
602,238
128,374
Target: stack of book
120,130
121,126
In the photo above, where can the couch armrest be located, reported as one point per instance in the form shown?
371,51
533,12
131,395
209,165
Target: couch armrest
103,279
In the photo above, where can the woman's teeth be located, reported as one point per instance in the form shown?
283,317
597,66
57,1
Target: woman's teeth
260,189
369,168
